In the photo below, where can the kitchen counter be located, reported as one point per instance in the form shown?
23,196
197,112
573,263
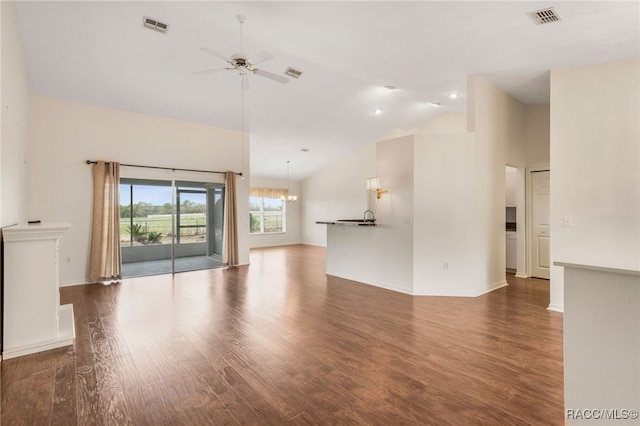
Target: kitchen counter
347,222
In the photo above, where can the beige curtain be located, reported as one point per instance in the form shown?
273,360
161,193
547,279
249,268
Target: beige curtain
230,255
105,262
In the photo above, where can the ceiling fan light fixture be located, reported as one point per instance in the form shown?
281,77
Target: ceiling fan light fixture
241,63
377,111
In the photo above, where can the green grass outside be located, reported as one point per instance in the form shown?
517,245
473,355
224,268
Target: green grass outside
272,223
162,223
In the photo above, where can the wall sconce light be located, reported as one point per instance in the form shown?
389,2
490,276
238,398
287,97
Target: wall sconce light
373,184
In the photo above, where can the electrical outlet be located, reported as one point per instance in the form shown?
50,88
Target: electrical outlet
567,222
68,259
445,266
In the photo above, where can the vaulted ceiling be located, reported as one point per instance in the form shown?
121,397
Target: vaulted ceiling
100,53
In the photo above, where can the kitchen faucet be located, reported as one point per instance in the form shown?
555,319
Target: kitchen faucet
371,218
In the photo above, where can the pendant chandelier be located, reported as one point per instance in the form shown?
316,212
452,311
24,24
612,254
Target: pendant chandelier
289,198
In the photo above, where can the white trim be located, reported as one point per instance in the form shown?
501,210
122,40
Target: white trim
35,232
493,287
556,308
72,284
478,293
383,286
66,336
596,268
528,213
519,275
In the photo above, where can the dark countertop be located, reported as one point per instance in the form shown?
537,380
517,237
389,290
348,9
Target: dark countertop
347,222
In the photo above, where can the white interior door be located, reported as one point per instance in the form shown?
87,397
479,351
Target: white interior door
540,231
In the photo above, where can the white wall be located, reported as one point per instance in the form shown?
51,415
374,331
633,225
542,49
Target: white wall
446,226
13,122
595,166
292,234
337,192
511,186
497,120
458,196
380,255
64,134
395,213
601,341
451,122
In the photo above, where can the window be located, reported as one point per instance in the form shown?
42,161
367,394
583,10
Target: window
266,214
145,212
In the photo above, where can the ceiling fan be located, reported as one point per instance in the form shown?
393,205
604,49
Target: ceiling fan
241,63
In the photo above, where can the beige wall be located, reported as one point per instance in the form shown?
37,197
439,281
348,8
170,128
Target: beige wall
65,134
595,164
14,93
536,136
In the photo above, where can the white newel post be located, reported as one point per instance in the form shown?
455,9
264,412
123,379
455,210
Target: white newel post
34,321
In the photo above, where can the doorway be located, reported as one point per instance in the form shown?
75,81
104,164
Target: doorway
170,226
539,225
511,218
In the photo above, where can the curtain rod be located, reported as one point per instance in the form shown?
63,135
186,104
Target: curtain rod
173,169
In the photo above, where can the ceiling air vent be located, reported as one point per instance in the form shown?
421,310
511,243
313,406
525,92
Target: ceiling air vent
155,25
545,16
293,73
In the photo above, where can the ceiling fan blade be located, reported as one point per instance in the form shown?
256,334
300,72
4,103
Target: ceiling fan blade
261,57
214,53
272,76
210,71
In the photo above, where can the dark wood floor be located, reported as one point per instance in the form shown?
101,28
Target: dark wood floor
280,342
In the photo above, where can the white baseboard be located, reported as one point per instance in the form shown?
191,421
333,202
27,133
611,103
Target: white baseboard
493,287
556,308
72,284
520,275
379,285
66,336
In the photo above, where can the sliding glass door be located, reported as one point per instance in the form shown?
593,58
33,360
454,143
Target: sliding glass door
170,226
196,225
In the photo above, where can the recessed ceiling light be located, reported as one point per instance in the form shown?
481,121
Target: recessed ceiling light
454,95
377,111
390,88
435,104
